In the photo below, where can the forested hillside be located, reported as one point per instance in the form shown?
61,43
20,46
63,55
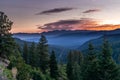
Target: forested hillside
36,62
114,41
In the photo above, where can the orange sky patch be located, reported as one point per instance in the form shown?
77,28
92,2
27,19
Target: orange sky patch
104,27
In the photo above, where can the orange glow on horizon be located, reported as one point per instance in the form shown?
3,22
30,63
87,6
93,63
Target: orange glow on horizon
106,27
90,25
30,30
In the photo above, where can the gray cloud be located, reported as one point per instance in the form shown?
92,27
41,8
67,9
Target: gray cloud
81,24
59,25
55,10
70,24
91,10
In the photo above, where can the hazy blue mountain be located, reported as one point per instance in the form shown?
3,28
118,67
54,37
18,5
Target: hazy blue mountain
63,41
67,39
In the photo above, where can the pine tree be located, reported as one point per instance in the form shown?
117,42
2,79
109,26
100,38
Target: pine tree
69,68
77,57
25,53
77,63
53,66
90,67
76,71
6,41
42,49
75,60
91,52
32,55
108,68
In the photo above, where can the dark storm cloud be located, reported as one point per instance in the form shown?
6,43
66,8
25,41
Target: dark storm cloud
55,10
91,10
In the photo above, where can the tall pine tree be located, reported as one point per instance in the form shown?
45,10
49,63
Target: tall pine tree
7,44
90,66
69,68
76,71
108,68
53,66
77,57
42,49
32,55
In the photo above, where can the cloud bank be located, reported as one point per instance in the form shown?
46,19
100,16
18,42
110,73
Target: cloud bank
70,24
81,24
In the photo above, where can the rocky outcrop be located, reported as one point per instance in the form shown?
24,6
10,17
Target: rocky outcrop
4,72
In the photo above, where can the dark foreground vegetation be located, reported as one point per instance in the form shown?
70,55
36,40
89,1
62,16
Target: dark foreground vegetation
35,62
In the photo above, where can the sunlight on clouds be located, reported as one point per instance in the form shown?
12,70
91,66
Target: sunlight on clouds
114,22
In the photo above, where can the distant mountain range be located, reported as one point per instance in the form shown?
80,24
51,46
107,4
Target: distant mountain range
63,41
63,38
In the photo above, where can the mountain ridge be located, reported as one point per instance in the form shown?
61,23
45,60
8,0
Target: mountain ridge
71,39
75,40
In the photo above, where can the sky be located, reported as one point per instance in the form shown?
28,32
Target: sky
32,16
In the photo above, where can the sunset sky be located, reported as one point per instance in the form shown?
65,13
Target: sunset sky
33,16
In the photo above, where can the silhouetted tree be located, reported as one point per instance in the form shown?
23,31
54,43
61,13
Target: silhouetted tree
77,57
53,66
69,68
90,66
